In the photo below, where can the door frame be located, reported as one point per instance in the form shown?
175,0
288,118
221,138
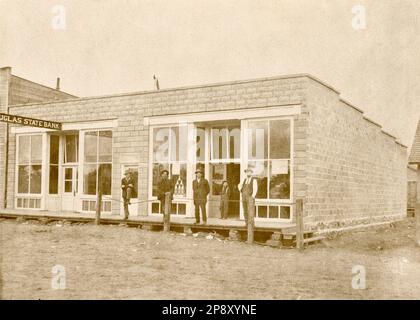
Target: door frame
75,186
133,208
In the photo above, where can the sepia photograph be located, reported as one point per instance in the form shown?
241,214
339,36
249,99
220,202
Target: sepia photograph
226,152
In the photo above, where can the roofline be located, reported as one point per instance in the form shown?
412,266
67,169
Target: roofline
42,85
351,105
218,84
371,121
389,134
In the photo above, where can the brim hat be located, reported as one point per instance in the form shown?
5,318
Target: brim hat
163,171
248,170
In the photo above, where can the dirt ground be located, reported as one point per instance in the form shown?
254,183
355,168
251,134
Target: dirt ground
117,262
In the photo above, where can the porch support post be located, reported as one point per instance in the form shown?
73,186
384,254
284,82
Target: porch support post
251,221
167,213
98,207
417,213
299,224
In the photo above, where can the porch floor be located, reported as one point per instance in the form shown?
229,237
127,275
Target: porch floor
157,220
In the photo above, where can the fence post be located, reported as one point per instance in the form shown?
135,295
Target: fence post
98,207
299,224
167,213
251,222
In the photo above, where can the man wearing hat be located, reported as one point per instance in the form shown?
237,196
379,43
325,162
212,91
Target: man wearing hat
248,189
165,186
127,185
201,189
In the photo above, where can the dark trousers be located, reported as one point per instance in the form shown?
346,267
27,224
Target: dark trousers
126,212
224,209
245,203
199,205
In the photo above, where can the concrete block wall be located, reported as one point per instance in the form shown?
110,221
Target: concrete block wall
131,137
25,91
5,75
355,173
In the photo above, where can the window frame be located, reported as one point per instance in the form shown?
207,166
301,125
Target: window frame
245,160
42,164
82,163
169,162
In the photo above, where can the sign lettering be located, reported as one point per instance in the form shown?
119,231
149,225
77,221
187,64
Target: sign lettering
24,121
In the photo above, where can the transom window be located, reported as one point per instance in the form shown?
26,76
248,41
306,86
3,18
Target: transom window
71,150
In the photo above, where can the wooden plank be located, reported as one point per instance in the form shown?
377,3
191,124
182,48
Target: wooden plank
167,213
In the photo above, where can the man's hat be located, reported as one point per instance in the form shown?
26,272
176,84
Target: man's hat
248,170
198,170
163,171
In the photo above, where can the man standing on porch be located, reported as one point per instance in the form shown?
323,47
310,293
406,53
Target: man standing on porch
127,188
165,186
201,189
248,189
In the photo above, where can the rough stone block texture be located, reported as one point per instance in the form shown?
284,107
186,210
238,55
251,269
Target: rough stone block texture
23,91
353,169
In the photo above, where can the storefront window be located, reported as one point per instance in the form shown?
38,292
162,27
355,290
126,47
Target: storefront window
170,153
97,169
54,157
30,164
269,156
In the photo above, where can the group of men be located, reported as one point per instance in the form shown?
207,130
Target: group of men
201,189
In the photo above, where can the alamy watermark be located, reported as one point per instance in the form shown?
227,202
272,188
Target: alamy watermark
58,21
358,281
359,17
58,280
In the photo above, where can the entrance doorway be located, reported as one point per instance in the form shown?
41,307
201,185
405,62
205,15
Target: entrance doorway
218,173
133,207
70,181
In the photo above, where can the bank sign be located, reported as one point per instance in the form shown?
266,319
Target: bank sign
24,121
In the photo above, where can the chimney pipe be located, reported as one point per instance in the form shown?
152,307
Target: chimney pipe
156,82
57,87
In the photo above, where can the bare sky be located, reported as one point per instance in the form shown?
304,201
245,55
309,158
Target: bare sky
114,46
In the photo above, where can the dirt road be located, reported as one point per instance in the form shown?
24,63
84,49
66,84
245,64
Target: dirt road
115,262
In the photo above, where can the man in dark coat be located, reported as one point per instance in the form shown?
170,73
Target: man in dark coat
127,186
201,190
165,186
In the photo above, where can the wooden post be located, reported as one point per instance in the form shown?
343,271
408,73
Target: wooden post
251,222
417,212
299,224
98,207
167,213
